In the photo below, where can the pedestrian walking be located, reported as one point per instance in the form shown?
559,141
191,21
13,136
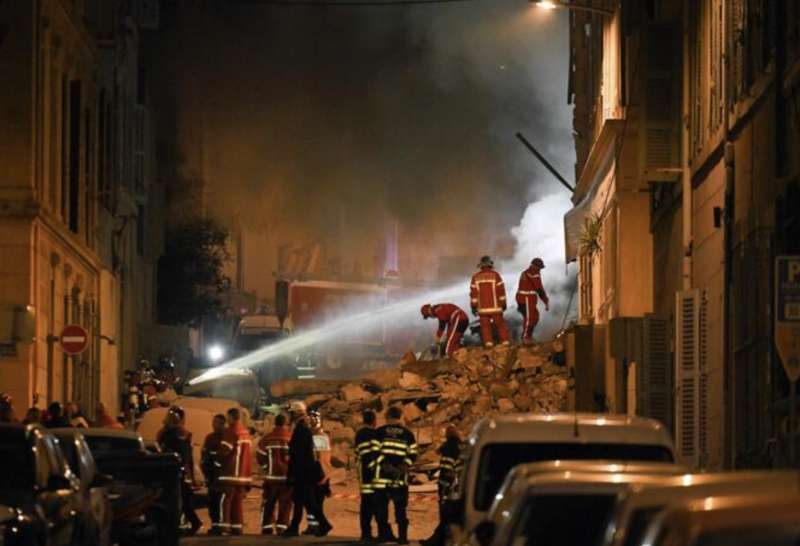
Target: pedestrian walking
488,301
174,438
273,456
529,292
211,466
449,469
304,474
322,454
398,451
367,450
451,318
235,474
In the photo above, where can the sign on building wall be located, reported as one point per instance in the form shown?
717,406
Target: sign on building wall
74,339
787,313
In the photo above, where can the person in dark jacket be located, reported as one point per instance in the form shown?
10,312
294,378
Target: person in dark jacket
367,450
56,418
174,438
303,474
449,469
211,467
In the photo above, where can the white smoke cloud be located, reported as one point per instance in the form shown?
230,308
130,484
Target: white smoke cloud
540,233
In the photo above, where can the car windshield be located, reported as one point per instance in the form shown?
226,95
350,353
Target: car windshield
563,520
498,459
16,472
101,445
252,342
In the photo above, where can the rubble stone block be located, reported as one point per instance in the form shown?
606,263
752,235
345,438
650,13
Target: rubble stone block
411,412
353,393
504,405
412,381
384,379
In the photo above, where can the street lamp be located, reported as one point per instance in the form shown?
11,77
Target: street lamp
555,4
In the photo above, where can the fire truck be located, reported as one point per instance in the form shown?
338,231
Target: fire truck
314,303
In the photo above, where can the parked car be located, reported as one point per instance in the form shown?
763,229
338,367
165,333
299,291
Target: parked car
40,498
545,508
498,444
93,484
145,491
729,521
638,509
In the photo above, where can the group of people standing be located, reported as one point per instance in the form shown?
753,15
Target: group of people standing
57,415
488,303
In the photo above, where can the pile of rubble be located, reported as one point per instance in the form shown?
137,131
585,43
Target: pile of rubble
473,384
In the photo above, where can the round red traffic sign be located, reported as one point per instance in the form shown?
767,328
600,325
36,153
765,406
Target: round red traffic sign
74,339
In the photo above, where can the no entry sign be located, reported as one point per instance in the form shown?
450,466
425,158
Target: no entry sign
787,313
74,339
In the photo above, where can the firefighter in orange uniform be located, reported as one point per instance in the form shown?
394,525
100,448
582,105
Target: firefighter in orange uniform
235,456
488,300
451,317
529,292
273,456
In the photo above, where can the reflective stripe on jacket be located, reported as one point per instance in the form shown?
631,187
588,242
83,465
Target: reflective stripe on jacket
273,454
487,292
235,456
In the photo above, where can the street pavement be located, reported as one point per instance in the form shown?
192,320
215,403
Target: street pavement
342,511
253,540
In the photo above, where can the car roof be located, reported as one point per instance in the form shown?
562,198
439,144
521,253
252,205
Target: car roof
570,427
101,432
729,513
518,477
716,483
568,481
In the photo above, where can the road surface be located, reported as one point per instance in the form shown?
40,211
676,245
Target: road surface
342,511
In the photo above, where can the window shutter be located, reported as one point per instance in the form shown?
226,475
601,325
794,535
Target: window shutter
654,374
692,392
661,100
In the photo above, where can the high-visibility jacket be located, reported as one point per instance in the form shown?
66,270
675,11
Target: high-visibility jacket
235,455
398,451
273,454
368,449
487,292
447,313
530,286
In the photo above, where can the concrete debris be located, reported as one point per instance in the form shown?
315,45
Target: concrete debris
472,384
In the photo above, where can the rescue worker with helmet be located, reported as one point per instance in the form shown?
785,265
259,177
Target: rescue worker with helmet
488,300
398,451
367,450
450,464
235,456
529,292
174,438
273,456
452,318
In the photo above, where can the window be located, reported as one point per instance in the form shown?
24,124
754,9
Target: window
498,459
563,520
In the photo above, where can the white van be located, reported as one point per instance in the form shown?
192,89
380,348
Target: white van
498,444
640,507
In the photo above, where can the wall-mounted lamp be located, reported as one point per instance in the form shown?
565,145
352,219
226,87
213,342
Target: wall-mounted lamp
556,4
